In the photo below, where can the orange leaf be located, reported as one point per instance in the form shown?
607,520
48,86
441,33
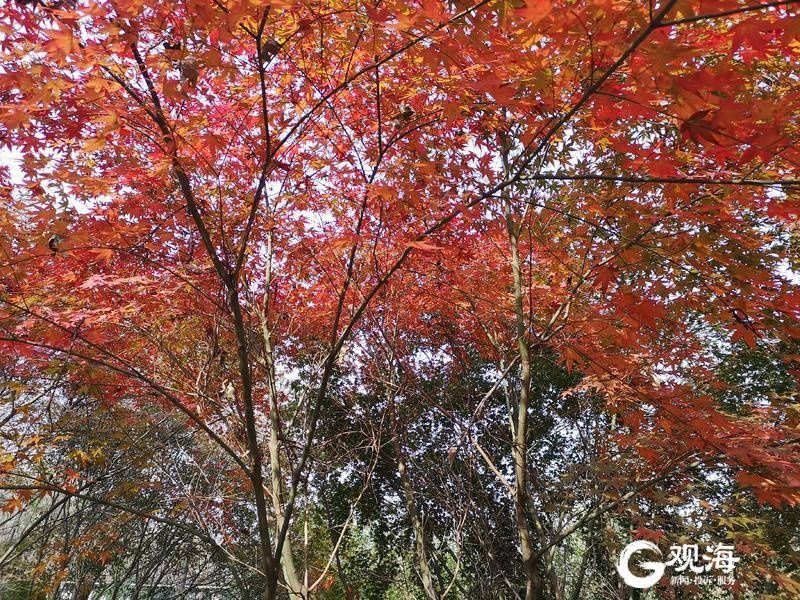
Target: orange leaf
61,43
424,246
535,10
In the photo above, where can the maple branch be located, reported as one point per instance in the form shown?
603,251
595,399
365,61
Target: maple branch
137,252
336,345
629,242
267,165
529,156
151,88
342,126
229,280
661,180
728,13
204,537
180,174
132,374
374,65
700,125
378,109
111,504
600,509
131,92
30,529
254,447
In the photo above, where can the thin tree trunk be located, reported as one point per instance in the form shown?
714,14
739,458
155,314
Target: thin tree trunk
520,432
556,592
83,588
296,587
269,568
417,526
578,585
348,591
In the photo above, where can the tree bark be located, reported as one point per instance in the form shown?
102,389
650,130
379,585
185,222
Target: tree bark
254,448
520,424
296,587
417,526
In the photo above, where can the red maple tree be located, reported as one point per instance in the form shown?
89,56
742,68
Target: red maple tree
215,198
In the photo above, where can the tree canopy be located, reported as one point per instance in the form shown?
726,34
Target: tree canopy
382,299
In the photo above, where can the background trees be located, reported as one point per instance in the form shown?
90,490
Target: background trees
389,299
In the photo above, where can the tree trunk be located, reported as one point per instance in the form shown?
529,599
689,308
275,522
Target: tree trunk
83,589
417,525
520,425
578,585
296,588
268,562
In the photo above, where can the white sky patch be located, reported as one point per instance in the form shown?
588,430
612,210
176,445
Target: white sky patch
12,158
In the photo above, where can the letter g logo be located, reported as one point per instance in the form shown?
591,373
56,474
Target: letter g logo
656,568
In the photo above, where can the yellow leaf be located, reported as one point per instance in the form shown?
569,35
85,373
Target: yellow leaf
94,144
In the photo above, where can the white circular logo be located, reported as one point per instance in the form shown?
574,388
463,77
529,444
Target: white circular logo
656,568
